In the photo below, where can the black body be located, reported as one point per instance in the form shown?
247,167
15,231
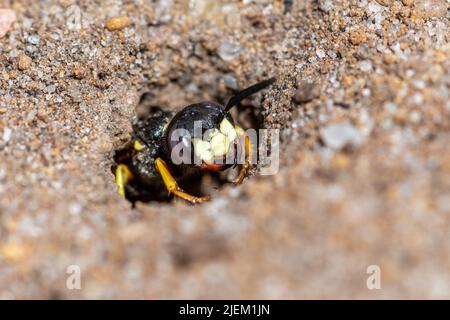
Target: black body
149,131
151,135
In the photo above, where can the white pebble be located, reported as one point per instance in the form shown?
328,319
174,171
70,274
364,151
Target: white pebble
7,17
230,81
320,53
390,107
418,98
415,116
365,65
34,39
337,136
229,50
51,88
374,8
75,208
331,54
326,5
312,60
7,132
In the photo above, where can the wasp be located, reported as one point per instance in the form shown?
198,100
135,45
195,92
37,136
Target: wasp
165,147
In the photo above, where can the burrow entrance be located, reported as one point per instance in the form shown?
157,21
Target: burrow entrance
247,114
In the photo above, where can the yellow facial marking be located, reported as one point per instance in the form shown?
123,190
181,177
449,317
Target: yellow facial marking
216,143
226,126
203,149
211,134
227,129
219,144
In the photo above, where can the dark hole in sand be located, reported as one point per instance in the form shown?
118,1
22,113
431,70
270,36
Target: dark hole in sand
246,115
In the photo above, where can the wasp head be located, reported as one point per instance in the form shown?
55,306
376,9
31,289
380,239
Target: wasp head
203,135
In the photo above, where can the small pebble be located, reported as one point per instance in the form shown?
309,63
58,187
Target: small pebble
75,208
365,66
390,107
78,73
415,116
7,135
42,114
357,37
326,5
24,62
320,53
306,92
51,88
34,39
389,58
7,17
230,81
417,98
332,54
118,23
366,92
229,50
337,136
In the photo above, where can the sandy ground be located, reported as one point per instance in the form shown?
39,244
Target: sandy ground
362,104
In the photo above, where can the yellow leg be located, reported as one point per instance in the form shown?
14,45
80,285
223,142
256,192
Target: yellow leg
172,185
123,175
246,166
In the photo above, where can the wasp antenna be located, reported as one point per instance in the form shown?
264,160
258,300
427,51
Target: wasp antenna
248,92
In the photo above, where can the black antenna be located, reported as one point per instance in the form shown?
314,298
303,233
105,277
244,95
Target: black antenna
248,92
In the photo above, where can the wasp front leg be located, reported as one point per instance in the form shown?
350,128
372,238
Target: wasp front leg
172,186
123,173
245,168
123,176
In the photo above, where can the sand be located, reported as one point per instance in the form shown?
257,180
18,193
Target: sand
362,105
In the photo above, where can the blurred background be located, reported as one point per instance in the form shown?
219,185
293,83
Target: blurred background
360,207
